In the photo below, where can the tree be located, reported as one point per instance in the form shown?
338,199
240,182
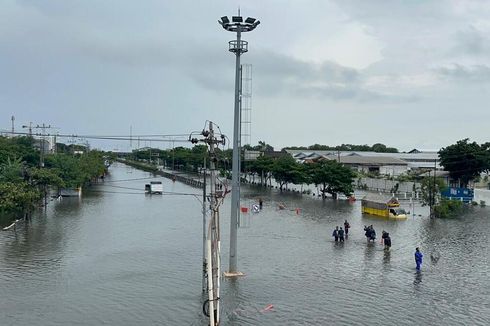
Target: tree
381,148
264,147
12,170
50,177
17,197
332,177
430,193
465,161
286,170
262,166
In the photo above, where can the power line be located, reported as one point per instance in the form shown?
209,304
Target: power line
134,179
125,138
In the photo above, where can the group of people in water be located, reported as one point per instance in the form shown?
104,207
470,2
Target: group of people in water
340,235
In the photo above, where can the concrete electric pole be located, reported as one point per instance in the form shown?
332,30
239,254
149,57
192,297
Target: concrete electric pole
212,254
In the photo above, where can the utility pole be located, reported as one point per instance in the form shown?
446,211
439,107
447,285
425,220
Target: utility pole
204,202
42,153
30,128
43,139
429,184
13,128
130,137
173,155
213,240
236,25
434,188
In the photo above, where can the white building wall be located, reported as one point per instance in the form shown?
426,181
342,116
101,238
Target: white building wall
393,170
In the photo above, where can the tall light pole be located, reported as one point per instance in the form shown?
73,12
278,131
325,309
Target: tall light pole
238,47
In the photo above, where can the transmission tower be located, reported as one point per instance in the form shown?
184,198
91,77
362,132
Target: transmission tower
246,104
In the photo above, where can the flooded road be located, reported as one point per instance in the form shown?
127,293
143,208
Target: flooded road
118,257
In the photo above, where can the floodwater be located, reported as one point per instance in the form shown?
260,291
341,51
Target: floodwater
118,257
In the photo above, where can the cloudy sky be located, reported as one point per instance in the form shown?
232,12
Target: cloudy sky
404,73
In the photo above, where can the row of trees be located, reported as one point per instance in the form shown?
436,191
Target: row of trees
378,147
183,158
23,183
330,176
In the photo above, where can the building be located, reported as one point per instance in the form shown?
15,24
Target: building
251,155
415,159
381,165
46,144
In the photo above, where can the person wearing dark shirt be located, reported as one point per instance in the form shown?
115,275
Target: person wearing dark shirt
346,228
335,234
387,240
341,235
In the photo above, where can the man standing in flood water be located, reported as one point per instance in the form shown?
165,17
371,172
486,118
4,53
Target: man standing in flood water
418,258
341,235
335,234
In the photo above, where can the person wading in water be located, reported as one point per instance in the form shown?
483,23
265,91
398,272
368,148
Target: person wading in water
335,233
418,258
346,228
341,235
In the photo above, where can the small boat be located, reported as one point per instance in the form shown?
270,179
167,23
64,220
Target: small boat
383,206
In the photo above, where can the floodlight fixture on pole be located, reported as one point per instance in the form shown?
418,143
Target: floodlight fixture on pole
237,25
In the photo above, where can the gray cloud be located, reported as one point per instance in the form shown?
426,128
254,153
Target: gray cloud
474,73
472,41
164,65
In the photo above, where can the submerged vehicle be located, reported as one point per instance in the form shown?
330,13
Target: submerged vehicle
384,206
154,188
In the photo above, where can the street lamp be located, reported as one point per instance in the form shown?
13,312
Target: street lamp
238,47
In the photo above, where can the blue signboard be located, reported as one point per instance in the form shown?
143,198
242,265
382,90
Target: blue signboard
463,194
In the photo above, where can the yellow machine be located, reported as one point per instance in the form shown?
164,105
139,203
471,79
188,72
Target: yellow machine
384,206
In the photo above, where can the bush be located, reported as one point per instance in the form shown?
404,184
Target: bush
448,208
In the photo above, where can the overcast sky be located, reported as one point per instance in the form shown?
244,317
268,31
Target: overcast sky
410,74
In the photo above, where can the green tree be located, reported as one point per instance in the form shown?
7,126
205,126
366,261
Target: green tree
12,170
332,177
464,160
262,166
381,148
17,197
286,170
18,147
431,193
263,146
